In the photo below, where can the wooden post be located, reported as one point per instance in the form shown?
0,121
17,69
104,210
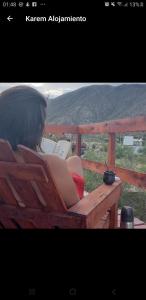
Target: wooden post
113,223
111,149
78,144
111,162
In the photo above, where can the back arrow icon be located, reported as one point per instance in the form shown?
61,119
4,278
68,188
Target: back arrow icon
9,18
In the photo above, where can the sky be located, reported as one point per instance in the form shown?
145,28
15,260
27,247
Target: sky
55,89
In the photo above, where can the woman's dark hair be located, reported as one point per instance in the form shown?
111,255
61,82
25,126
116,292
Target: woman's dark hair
22,116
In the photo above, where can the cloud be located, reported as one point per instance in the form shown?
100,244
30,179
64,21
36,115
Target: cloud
51,89
54,89
53,93
35,84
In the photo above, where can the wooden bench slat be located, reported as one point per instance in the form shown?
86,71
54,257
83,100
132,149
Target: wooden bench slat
7,223
6,152
28,184
24,223
23,171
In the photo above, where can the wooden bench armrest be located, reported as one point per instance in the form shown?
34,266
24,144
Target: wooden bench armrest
94,206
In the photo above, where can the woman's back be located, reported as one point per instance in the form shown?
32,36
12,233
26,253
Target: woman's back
22,121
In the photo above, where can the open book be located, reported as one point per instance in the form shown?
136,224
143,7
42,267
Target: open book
60,148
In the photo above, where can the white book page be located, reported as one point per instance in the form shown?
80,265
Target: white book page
48,145
62,148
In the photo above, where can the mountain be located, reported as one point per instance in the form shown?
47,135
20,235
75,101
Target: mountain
98,103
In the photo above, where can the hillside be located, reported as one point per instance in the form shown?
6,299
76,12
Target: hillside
97,103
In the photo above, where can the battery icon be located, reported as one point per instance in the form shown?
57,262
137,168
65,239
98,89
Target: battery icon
34,4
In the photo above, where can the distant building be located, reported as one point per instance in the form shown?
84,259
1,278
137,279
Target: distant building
68,136
135,143
128,140
138,142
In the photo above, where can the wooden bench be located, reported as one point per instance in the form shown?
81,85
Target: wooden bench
30,199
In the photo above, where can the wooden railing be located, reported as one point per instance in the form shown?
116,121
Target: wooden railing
135,124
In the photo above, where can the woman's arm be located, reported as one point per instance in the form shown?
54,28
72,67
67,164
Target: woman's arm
74,165
62,179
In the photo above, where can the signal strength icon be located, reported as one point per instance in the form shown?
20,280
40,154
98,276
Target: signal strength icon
34,4
137,4
119,3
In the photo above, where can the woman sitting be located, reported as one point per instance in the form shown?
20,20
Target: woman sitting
22,120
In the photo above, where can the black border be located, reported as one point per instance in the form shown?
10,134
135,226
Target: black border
110,49
93,262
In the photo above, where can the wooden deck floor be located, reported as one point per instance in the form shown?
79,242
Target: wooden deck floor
138,224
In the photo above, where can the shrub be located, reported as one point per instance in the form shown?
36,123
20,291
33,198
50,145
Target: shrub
104,147
92,180
91,155
124,152
142,150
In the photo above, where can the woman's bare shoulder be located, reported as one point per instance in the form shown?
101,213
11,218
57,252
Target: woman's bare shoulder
53,159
